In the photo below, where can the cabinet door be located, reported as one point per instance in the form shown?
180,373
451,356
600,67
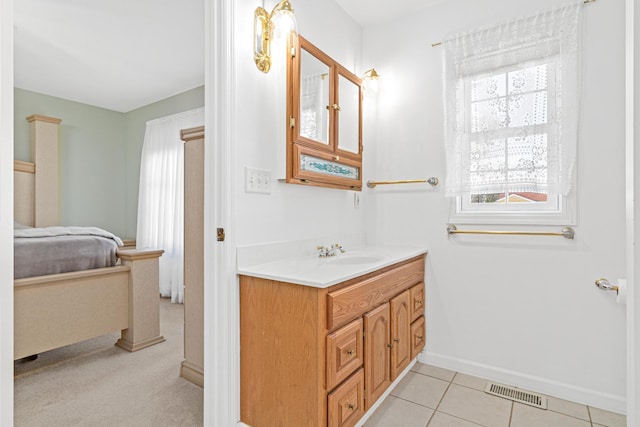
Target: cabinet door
349,114
417,301
400,334
418,334
377,361
313,97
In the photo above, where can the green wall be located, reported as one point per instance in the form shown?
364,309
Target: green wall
99,155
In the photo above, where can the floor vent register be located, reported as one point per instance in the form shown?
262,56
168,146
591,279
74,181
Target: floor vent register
517,395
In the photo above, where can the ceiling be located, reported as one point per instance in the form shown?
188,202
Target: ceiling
115,54
368,12
124,54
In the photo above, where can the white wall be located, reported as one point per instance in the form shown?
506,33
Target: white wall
522,310
92,158
290,212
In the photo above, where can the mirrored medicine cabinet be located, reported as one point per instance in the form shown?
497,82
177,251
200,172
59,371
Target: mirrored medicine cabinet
324,107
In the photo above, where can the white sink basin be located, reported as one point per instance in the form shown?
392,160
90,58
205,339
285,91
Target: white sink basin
355,258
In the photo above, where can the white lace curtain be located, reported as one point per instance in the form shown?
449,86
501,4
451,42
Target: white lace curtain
512,104
161,197
312,107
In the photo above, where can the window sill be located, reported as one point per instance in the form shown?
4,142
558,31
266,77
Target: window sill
567,217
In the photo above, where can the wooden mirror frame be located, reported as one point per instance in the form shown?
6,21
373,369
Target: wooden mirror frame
311,162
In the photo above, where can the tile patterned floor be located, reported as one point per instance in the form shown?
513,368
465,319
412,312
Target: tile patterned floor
436,397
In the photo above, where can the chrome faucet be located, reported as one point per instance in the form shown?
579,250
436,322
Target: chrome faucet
324,252
335,248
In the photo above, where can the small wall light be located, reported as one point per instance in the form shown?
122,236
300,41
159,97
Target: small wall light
370,79
281,20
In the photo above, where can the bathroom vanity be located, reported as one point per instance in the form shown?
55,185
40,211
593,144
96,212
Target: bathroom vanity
323,340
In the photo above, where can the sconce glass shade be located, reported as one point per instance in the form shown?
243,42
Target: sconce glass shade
268,27
370,79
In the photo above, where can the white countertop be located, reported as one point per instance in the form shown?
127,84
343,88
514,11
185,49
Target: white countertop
318,272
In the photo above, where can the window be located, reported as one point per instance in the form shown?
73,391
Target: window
511,120
509,125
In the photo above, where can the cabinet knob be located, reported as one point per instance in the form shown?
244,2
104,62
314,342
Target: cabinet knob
352,406
336,107
351,352
390,345
419,337
419,301
396,340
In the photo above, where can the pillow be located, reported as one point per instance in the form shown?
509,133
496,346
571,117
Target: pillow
18,226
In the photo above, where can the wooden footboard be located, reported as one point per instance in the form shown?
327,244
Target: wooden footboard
61,309
144,299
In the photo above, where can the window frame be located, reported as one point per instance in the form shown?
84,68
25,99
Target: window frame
565,215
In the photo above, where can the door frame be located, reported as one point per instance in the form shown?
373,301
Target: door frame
632,156
6,212
221,291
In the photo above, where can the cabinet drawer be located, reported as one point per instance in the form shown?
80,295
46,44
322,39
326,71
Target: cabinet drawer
417,301
345,405
344,352
418,336
353,301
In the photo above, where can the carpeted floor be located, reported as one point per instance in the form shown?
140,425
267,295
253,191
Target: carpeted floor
94,383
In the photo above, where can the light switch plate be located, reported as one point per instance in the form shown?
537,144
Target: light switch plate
257,180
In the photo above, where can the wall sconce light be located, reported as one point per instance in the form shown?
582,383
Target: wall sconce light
370,79
267,26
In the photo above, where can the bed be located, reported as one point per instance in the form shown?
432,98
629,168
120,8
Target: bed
54,309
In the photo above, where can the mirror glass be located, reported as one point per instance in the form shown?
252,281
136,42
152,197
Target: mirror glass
314,98
349,115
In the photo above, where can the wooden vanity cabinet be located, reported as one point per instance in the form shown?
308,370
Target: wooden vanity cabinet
322,356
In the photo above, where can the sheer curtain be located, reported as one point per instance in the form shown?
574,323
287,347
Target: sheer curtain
312,107
512,105
161,197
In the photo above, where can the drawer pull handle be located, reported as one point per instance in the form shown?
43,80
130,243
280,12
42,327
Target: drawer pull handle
351,352
352,406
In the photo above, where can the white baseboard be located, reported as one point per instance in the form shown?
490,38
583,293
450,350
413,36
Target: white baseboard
608,402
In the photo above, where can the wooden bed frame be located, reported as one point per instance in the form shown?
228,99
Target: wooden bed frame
61,309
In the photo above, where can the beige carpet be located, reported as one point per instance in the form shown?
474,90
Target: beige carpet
94,383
